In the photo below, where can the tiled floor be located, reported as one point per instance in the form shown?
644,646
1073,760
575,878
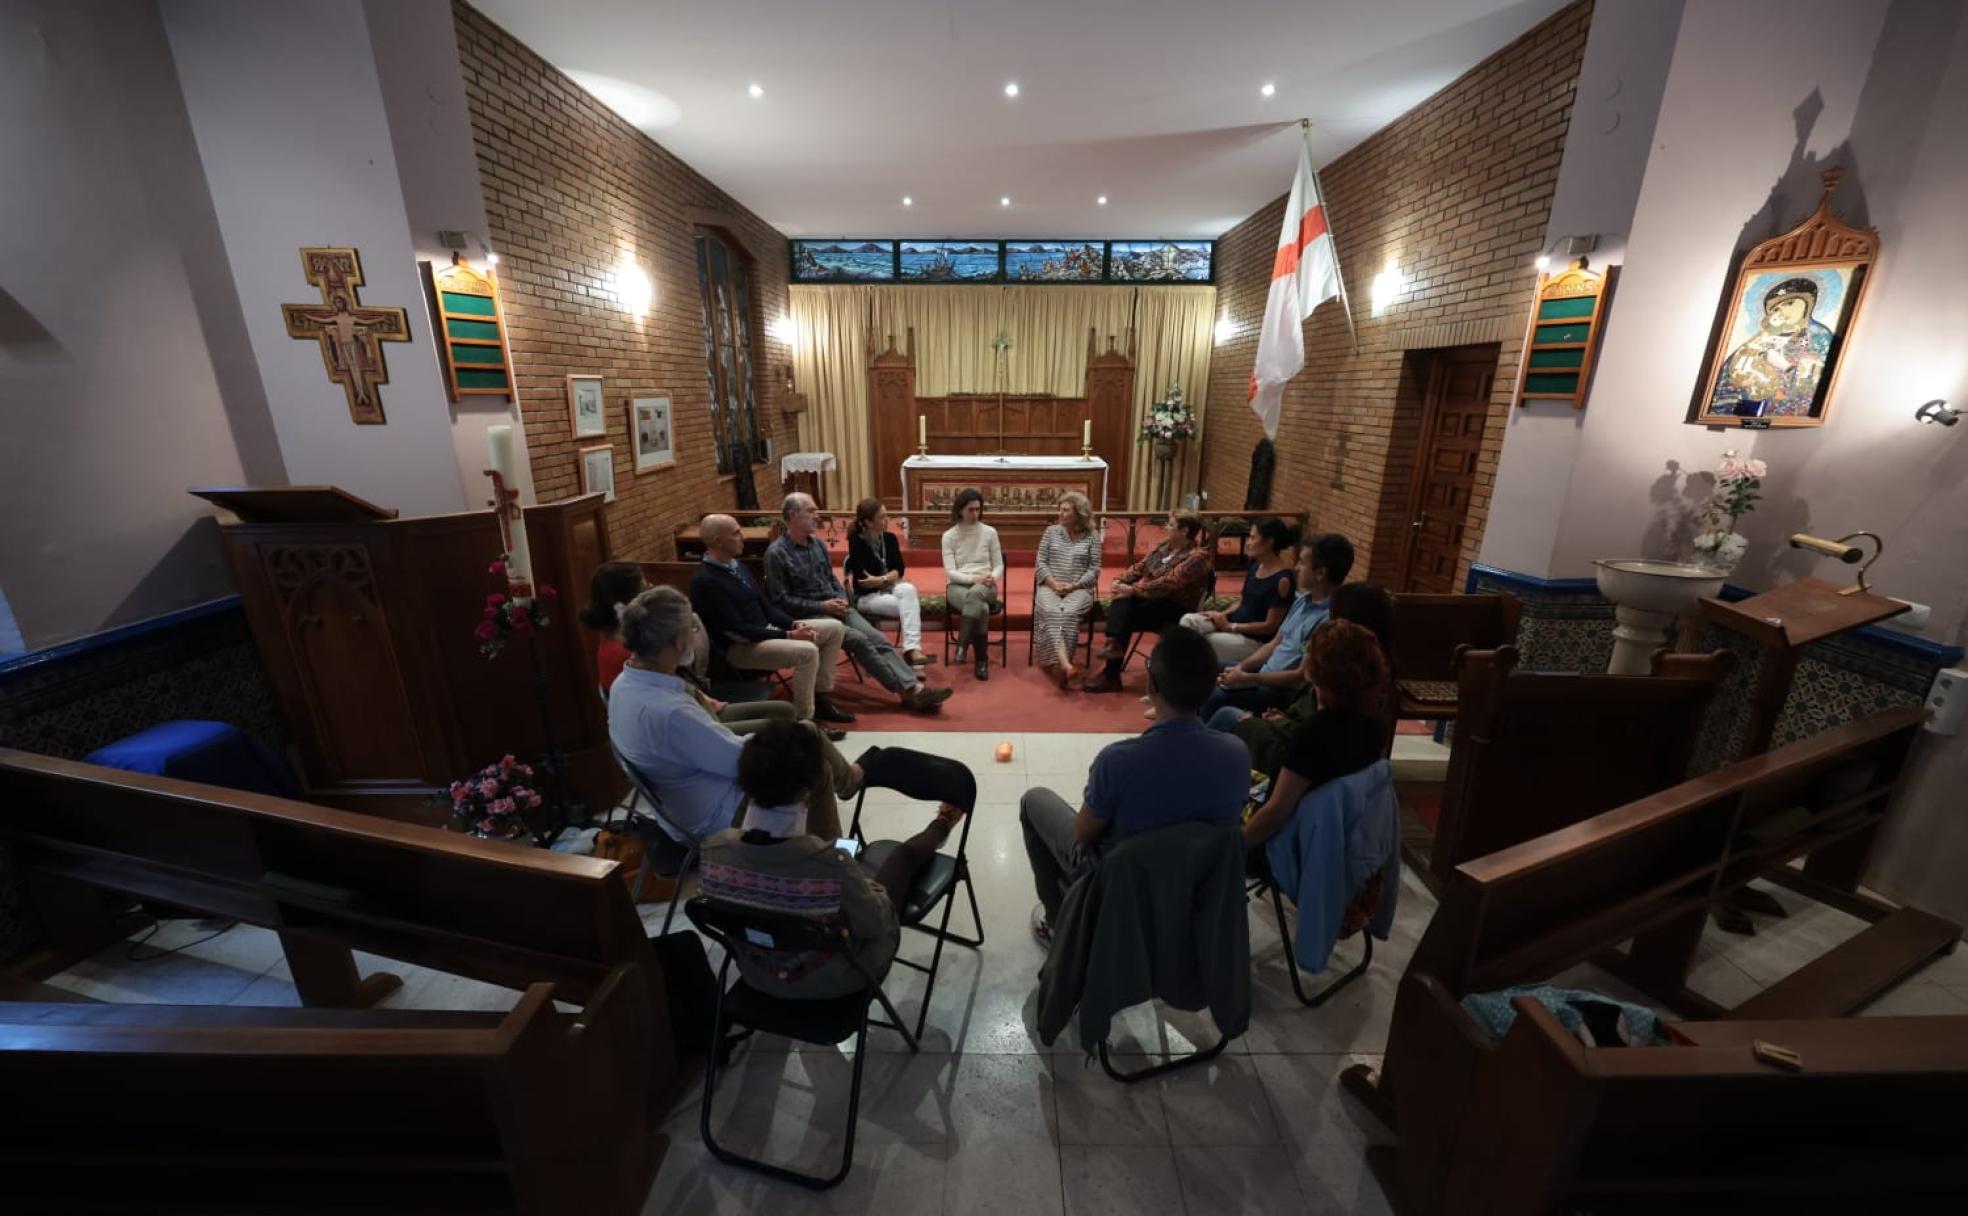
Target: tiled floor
987,1119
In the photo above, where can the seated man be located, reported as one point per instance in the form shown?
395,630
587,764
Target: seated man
1272,675
687,757
754,633
1155,592
1175,771
776,864
799,576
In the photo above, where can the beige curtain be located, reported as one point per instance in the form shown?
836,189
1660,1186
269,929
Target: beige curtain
1048,327
954,329
830,336
1174,330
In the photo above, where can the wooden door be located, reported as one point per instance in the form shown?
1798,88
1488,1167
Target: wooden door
1455,409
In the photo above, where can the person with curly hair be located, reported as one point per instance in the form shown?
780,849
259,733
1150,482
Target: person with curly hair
1344,736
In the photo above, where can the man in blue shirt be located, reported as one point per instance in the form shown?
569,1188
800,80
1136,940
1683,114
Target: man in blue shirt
1175,771
1273,674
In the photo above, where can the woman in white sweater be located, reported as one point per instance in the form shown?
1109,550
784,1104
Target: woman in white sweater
973,569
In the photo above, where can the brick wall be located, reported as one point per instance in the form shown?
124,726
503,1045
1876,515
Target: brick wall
569,189
1457,190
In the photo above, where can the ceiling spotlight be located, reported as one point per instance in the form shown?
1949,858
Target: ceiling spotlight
1101,201
491,259
757,90
1268,89
907,201
1005,201
1011,88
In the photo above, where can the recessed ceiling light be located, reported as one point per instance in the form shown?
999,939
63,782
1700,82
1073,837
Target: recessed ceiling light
907,201
756,90
1005,201
1011,88
1268,89
1102,200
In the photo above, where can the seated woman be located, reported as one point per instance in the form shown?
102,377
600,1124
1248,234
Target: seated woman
1064,578
874,574
973,568
774,864
615,584
1343,737
687,758
1269,734
1268,589
1155,592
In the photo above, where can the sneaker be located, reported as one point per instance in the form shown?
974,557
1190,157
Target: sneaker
824,710
834,734
1041,927
1103,681
925,699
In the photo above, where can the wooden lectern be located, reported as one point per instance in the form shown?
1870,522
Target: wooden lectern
364,622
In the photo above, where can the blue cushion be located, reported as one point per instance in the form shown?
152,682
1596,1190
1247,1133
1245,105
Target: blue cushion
214,753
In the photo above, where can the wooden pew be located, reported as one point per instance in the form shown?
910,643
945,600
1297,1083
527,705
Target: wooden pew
1428,632
1646,873
326,881
160,1108
1535,751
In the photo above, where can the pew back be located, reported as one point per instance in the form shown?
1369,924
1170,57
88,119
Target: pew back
1535,751
1428,630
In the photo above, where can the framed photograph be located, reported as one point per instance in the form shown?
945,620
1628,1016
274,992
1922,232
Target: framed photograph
584,406
598,470
652,438
1784,324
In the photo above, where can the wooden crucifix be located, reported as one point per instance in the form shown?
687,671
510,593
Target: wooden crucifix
350,332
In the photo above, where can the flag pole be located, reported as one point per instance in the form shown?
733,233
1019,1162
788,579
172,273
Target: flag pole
1339,266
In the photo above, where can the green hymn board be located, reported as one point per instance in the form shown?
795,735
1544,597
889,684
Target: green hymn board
1564,333
474,345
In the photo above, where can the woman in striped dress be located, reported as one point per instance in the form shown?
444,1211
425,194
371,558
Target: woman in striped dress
1064,578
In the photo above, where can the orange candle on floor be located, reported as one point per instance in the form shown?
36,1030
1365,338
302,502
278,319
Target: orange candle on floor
1004,752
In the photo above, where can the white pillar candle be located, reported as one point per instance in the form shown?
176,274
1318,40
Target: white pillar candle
1086,433
519,561
922,430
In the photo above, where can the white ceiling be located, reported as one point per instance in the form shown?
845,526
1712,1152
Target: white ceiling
1153,103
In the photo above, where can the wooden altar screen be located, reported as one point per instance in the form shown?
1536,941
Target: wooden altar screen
1022,424
364,624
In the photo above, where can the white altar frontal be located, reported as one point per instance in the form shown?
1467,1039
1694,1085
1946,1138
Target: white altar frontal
1009,483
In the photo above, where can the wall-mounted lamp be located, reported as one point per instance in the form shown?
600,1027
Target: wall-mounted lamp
1225,330
782,330
1844,551
633,288
1387,287
1937,411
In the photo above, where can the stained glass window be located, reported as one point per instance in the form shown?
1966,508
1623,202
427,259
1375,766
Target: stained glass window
724,288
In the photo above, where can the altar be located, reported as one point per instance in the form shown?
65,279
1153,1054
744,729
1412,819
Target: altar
1009,483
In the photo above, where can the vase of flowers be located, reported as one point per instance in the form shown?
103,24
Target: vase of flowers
505,617
493,802
1167,423
1738,485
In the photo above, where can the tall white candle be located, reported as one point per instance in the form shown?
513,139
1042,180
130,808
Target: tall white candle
519,562
922,430
1086,433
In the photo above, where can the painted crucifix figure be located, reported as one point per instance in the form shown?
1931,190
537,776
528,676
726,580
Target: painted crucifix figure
512,536
350,332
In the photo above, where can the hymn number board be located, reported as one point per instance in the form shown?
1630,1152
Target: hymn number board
473,324
1566,326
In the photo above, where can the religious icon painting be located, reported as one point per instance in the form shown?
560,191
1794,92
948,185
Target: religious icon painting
1785,322
584,407
651,437
349,332
598,471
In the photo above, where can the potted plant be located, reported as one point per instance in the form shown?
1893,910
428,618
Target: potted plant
1737,484
1167,423
493,802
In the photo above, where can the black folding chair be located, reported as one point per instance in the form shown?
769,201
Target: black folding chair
830,1020
931,779
1000,617
662,853
1263,881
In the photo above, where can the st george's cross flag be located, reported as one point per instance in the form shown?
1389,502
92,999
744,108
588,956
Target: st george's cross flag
1304,274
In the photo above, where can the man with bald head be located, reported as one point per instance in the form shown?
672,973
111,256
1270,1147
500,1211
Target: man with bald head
754,633
799,578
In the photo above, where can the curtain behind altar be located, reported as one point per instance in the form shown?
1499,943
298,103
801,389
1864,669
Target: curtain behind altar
955,327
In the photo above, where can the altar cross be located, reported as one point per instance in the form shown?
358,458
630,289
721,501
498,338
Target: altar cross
1000,367
350,332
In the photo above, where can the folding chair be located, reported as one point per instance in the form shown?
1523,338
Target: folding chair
931,779
999,614
1358,913
660,851
829,1021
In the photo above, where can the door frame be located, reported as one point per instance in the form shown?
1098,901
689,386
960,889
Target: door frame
1437,360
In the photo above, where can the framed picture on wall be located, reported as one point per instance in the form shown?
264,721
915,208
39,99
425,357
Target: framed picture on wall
584,406
652,438
1785,322
598,470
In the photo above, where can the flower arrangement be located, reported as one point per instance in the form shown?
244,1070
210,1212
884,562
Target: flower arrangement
1169,420
1737,484
506,618
493,802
